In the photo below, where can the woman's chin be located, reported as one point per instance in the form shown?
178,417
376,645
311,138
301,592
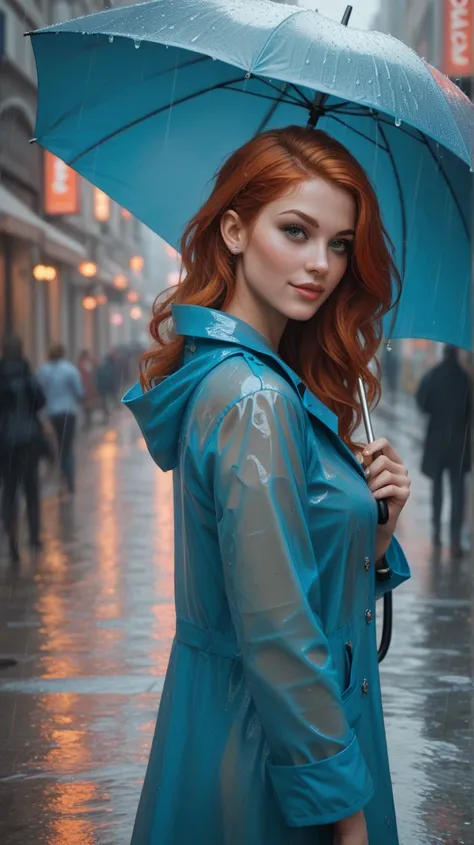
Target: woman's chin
301,311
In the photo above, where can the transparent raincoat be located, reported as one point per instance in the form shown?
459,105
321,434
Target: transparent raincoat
270,727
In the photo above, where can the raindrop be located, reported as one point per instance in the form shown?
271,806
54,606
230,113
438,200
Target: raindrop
349,60
398,121
357,81
471,170
389,346
136,44
194,39
370,81
111,39
307,62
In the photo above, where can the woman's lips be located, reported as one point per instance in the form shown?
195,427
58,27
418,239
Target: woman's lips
308,293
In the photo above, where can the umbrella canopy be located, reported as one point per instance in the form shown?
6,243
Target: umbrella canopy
147,101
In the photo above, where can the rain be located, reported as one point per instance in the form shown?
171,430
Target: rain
101,167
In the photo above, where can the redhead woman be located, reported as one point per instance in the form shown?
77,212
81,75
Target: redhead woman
270,729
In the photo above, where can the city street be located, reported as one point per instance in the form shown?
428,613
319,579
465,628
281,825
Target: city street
88,628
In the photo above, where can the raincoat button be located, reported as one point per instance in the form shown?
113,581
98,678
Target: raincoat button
365,687
368,616
367,564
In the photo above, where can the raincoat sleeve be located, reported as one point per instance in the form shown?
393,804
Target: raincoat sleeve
398,563
315,764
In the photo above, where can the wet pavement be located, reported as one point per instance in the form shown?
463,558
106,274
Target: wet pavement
89,625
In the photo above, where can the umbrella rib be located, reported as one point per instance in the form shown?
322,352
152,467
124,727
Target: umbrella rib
147,116
357,132
292,101
404,225
441,169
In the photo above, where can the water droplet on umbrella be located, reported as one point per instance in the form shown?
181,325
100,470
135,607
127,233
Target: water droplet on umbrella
471,170
194,39
370,81
172,26
357,81
136,44
307,62
398,121
111,39
349,60
389,346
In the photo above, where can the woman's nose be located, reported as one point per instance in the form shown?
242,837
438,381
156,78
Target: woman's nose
318,261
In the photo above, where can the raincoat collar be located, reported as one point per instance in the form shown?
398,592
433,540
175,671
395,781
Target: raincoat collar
194,321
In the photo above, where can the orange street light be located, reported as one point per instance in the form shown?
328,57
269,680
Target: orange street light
133,296
136,312
44,273
121,282
137,263
88,269
101,299
89,303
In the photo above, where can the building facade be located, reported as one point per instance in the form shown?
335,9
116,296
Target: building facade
442,32
74,266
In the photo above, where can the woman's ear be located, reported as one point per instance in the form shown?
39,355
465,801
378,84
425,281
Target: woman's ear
232,231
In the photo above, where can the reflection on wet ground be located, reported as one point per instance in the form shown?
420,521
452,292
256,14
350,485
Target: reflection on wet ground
89,625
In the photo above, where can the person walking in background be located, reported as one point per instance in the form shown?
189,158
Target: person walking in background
106,385
445,396
61,382
21,439
86,369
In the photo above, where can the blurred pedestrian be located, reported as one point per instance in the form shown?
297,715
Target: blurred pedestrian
86,368
445,395
21,443
61,382
106,384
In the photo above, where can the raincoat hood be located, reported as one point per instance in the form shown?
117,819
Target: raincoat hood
212,337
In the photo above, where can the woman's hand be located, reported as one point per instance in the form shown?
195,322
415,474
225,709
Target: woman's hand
351,831
387,478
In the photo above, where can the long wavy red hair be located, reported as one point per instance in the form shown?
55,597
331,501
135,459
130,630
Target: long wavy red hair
337,345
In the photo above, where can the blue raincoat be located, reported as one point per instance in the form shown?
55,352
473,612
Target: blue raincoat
270,726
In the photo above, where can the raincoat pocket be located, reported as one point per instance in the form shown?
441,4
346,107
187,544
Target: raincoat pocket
351,696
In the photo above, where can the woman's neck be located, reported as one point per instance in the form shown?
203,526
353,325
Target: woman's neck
258,314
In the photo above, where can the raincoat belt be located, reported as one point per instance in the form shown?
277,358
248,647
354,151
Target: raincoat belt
206,640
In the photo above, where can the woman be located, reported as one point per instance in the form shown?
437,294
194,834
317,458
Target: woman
270,727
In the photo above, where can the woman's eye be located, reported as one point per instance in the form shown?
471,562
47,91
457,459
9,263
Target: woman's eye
341,246
294,230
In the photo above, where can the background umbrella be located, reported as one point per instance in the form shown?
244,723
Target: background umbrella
166,90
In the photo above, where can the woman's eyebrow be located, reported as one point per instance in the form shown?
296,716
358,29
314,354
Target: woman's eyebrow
312,221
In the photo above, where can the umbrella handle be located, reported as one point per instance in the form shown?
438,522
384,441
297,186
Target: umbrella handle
382,507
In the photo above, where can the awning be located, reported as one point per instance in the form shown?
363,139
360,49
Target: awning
20,221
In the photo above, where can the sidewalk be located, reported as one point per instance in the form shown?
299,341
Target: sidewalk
400,411
90,625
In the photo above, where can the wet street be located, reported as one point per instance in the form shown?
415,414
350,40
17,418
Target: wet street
88,628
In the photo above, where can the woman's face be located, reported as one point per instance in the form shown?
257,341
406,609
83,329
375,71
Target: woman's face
297,251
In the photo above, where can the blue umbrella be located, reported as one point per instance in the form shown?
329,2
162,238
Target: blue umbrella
147,101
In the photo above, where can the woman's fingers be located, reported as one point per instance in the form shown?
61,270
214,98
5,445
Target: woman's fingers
384,463
382,445
398,494
386,478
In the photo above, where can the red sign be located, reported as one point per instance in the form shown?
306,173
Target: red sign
458,38
61,189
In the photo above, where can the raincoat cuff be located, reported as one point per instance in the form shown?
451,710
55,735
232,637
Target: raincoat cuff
400,569
324,792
